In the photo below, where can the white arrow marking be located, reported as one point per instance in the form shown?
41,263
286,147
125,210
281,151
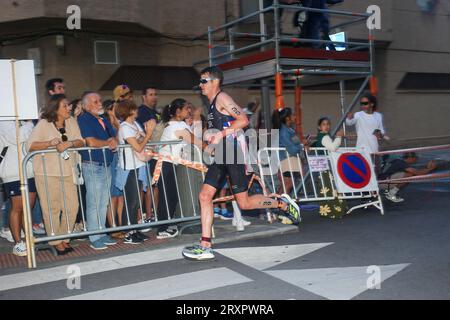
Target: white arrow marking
335,283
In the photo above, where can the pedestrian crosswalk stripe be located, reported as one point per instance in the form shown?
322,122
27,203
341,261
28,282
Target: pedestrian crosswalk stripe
262,258
170,287
25,279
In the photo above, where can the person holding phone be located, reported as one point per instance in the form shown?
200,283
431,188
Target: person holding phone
369,124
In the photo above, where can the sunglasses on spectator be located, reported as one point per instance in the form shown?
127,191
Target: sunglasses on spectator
64,137
365,103
206,80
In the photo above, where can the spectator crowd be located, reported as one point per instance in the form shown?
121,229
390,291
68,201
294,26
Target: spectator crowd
68,189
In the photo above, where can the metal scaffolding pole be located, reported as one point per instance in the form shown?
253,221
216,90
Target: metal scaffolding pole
265,89
344,126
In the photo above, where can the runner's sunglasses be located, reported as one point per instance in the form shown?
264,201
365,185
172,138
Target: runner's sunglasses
206,80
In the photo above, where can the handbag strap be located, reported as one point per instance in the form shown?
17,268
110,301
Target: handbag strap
3,154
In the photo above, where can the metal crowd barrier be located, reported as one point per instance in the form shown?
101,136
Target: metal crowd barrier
189,198
308,184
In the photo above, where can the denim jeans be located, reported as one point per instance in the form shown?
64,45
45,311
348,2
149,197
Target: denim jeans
98,181
37,212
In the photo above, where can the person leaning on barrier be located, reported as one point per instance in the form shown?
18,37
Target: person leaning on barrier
96,166
147,112
77,108
54,171
174,116
9,174
400,169
115,209
328,208
131,173
284,120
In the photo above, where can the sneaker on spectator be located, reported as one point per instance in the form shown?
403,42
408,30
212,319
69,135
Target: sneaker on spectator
174,227
167,234
79,227
149,220
108,241
20,249
216,212
6,234
132,238
244,222
98,245
198,253
39,229
226,215
142,236
394,198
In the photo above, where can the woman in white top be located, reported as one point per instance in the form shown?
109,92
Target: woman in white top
369,124
9,174
174,116
132,168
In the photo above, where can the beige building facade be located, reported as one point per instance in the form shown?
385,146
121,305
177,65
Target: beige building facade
412,60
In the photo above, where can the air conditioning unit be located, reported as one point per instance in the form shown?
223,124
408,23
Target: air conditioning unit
106,52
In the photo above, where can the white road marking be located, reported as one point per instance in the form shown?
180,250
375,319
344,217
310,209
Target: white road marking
262,258
25,279
335,283
170,287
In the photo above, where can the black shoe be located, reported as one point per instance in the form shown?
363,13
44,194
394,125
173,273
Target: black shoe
61,253
132,239
141,236
70,249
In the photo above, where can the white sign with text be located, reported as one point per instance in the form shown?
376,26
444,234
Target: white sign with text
27,105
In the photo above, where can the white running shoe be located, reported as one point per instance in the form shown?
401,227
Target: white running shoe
394,198
242,221
240,226
6,234
20,249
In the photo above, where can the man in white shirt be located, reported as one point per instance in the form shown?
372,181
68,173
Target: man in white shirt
369,124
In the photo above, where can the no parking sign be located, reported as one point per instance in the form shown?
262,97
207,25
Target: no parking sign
353,171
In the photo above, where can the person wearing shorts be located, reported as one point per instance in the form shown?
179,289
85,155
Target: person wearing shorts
226,120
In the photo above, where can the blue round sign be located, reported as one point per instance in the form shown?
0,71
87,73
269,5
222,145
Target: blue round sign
354,170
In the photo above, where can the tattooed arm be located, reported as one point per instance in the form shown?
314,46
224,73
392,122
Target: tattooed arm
227,105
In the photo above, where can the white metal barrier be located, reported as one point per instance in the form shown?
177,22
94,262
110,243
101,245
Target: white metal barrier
310,177
75,196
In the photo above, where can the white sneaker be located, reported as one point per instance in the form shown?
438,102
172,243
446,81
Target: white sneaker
6,234
394,198
245,223
38,229
20,249
150,220
240,226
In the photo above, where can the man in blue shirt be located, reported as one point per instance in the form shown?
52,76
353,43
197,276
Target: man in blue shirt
98,133
147,111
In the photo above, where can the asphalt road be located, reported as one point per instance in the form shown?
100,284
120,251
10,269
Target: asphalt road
402,255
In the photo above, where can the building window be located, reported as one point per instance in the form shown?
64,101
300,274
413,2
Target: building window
106,52
417,81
